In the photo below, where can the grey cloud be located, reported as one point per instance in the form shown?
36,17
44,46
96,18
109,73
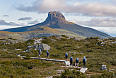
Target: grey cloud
41,19
13,24
2,22
33,22
72,14
43,6
5,15
98,22
25,18
105,22
88,9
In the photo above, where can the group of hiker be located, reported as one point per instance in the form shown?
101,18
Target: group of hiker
47,53
66,56
76,61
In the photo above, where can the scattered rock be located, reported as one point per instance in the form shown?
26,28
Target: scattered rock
103,67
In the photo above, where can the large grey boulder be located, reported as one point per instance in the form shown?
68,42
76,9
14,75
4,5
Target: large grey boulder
42,47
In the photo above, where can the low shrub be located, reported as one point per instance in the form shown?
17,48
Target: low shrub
104,75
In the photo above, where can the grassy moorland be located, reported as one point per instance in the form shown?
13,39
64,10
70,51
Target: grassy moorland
97,51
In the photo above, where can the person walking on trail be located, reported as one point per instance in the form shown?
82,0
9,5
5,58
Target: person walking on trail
71,61
47,54
84,61
39,52
77,62
66,55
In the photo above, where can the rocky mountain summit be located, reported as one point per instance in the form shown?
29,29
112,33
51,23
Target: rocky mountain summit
56,20
55,17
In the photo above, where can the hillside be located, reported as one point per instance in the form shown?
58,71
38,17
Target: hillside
56,20
40,32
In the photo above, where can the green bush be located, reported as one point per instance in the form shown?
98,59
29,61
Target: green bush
104,75
30,41
46,41
113,62
6,62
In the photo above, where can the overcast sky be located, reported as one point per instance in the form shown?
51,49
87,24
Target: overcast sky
97,14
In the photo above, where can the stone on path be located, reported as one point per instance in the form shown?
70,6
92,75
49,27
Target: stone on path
67,63
83,70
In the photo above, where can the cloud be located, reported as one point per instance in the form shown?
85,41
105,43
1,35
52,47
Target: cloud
2,22
33,22
41,19
5,15
98,22
43,6
88,9
109,30
25,18
107,25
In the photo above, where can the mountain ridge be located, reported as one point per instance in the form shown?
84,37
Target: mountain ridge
56,20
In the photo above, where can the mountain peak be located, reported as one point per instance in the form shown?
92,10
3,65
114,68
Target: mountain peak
55,16
56,20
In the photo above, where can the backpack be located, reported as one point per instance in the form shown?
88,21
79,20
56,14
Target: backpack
66,54
39,51
71,59
84,60
77,60
47,53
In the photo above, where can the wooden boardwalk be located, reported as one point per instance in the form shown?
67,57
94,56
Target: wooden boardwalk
67,63
47,59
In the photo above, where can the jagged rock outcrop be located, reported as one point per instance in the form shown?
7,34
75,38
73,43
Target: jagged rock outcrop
55,17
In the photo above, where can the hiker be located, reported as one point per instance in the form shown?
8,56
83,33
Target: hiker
47,54
66,55
84,61
71,60
39,52
77,62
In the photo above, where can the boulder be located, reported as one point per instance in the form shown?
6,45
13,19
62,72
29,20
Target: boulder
103,67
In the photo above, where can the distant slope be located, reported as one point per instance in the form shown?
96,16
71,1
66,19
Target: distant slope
57,20
70,34
84,31
40,32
